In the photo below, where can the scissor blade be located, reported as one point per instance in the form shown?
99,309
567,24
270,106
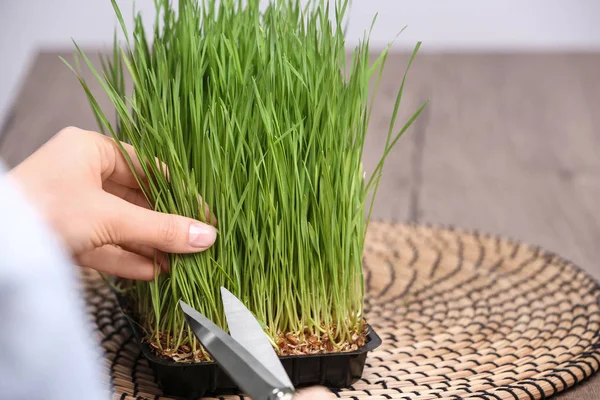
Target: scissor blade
251,376
246,330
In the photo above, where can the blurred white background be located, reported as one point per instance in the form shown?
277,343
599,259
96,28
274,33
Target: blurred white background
459,25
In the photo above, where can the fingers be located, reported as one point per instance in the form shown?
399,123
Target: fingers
131,221
115,166
314,393
136,196
119,180
127,223
115,261
208,215
121,183
145,251
133,196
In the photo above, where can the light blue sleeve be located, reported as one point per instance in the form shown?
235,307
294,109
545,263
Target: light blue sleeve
47,348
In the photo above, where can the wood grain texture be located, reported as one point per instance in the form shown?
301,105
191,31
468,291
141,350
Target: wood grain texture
508,145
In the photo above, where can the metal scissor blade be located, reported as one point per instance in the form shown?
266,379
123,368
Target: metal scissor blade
245,329
249,374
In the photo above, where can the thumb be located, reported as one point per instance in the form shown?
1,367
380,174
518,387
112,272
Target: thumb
314,393
128,223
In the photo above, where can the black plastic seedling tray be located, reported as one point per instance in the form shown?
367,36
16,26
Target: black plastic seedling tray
335,370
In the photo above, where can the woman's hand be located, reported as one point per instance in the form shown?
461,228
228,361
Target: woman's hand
314,393
83,187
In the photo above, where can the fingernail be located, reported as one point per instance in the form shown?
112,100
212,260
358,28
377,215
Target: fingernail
202,235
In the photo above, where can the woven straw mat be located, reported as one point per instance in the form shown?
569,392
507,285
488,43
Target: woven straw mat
461,315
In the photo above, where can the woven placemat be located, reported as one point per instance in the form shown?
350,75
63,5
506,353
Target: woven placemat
461,315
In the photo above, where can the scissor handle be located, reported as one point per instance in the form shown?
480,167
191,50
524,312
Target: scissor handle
282,394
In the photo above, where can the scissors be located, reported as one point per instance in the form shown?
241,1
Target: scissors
246,355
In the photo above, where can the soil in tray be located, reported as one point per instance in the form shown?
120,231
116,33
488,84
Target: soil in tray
289,345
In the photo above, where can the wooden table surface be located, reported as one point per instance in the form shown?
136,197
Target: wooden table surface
510,144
